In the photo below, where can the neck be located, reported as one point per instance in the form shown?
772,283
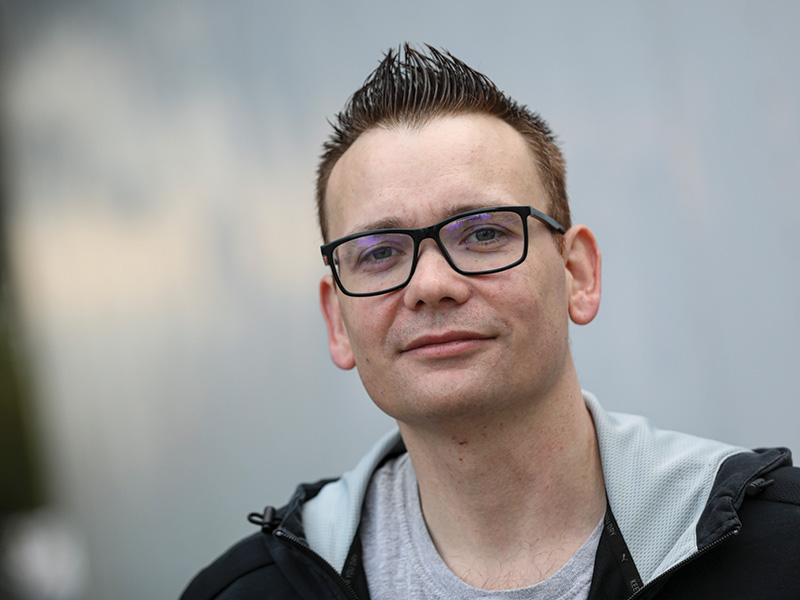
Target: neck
530,481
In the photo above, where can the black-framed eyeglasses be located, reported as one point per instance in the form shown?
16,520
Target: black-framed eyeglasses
476,242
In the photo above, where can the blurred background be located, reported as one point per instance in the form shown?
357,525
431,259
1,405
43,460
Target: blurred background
164,364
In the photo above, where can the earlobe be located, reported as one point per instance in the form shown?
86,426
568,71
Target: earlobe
338,340
583,262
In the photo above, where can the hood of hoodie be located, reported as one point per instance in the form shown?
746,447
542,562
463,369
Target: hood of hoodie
648,473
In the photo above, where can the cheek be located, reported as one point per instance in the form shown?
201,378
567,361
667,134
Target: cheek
536,300
367,323
367,329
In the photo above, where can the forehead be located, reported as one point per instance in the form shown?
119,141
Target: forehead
413,177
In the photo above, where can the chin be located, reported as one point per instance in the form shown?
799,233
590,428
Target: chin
423,406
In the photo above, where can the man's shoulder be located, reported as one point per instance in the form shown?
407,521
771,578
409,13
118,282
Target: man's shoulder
245,563
780,485
761,558
763,475
249,567
756,550
318,520
770,513
255,564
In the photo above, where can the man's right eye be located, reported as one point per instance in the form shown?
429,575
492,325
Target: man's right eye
381,253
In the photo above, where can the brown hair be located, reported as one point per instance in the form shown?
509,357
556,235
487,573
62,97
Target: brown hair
411,88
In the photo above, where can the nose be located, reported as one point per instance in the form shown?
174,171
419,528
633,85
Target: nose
434,281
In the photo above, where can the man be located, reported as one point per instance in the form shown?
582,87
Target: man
455,271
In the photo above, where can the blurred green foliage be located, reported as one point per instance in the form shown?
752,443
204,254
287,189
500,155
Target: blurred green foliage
20,474
20,487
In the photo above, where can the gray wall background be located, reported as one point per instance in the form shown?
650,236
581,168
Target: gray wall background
161,160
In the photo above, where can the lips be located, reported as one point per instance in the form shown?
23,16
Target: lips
441,342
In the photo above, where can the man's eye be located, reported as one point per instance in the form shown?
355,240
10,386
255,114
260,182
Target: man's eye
379,258
382,253
484,235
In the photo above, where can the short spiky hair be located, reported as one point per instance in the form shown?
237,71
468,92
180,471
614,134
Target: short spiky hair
411,88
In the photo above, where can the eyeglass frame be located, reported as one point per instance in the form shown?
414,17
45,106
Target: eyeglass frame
422,233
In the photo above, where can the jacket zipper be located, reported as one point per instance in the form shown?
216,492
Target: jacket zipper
348,589
689,559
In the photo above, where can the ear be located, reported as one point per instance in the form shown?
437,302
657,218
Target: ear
582,261
338,340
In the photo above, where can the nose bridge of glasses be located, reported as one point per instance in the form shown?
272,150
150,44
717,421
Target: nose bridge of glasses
431,233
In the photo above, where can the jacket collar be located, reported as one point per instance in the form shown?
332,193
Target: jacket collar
647,472
331,518
658,484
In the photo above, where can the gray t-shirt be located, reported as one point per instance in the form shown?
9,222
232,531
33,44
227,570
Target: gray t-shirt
401,561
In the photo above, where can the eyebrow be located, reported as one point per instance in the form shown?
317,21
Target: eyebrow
396,223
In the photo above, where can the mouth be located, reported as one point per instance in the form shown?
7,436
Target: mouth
446,344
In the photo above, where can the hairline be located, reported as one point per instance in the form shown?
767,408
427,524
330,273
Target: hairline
417,122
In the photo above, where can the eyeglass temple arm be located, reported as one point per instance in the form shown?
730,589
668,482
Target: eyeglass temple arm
548,220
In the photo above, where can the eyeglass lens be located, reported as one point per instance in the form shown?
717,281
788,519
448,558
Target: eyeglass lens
476,243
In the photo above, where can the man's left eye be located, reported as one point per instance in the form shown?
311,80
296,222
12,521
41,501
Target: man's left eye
483,235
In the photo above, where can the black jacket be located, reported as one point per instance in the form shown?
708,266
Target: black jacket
745,542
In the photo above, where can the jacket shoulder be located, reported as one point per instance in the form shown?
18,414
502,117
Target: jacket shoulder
245,567
762,559
249,568
781,485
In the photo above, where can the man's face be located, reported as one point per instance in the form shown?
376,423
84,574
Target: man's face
448,345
